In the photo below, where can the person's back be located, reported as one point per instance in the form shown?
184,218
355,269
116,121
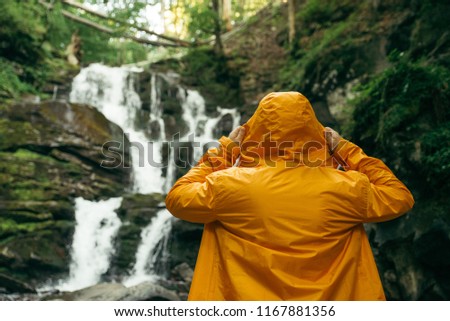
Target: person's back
285,223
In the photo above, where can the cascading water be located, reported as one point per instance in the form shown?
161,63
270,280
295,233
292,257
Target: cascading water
201,126
92,246
200,130
111,91
152,247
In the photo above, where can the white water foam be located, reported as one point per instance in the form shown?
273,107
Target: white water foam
93,242
153,243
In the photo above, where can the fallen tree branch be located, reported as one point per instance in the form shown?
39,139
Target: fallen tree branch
180,42
107,30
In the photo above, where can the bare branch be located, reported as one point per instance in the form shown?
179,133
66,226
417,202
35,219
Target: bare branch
107,30
103,16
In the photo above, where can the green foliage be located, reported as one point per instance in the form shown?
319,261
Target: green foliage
324,13
303,58
95,45
125,10
201,20
10,84
33,41
59,30
327,49
210,72
436,156
393,100
315,11
22,31
403,116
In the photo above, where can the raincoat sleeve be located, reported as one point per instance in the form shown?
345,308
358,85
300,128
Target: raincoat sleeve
386,196
193,196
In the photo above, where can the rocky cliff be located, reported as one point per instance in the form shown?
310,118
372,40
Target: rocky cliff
50,153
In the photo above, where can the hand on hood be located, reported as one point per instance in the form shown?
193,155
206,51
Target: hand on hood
237,135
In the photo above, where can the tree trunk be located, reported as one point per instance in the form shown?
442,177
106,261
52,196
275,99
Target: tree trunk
163,13
291,20
218,46
73,50
226,14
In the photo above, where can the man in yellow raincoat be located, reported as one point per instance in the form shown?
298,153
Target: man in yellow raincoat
282,222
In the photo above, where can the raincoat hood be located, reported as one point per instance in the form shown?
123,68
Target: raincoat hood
284,126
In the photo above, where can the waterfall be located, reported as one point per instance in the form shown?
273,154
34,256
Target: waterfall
93,242
153,246
200,126
111,91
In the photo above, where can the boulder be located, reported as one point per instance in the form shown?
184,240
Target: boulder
146,291
184,272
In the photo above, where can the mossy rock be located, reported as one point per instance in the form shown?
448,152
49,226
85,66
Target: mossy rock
78,129
127,242
139,209
59,209
29,176
35,251
56,150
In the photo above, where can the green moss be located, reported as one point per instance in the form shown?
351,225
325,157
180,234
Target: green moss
24,216
30,176
318,12
319,48
399,97
436,156
328,48
10,84
216,81
27,194
11,227
406,111
15,133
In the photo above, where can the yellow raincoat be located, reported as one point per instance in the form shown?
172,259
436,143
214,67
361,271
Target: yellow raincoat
285,224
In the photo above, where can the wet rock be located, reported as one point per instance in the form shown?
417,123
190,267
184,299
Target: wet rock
146,291
29,211
184,242
9,284
136,212
140,208
224,126
74,135
34,251
183,271
413,257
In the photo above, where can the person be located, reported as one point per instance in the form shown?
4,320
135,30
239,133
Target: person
281,221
